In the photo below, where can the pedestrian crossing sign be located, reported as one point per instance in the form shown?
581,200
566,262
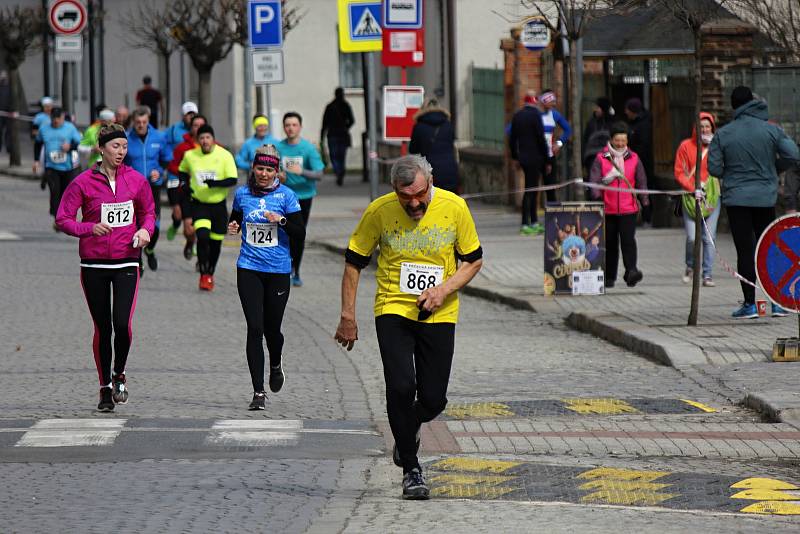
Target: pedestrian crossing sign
360,26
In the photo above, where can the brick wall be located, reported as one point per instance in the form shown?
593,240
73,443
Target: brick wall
726,44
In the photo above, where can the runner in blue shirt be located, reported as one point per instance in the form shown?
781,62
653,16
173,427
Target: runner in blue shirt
303,166
244,158
59,140
149,153
269,217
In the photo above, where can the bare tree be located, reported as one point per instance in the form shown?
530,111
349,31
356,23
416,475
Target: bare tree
208,29
780,19
574,17
694,14
22,30
146,28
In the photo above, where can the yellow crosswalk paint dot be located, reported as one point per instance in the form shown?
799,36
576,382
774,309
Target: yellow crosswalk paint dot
773,507
473,465
699,405
764,483
613,473
765,495
471,486
478,410
599,406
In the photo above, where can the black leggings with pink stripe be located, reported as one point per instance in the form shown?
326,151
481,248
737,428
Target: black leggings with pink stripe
102,287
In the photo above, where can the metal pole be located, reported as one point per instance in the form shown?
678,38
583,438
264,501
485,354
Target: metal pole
92,80
372,126
248,91
102,35
46,55
268,101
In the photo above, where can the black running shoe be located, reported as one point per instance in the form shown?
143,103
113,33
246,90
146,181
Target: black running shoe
396,453
259,401
276,378
106,403
633,277
414,486
187,251
120,389
152,261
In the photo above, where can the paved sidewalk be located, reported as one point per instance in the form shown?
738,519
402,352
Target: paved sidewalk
730,356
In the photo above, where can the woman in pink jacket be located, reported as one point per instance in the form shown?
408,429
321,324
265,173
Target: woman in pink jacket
117,222
619,168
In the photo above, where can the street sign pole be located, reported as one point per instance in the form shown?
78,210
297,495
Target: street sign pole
372,126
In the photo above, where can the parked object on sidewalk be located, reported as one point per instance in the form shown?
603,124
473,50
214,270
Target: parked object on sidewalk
786,350
434,138
743,154
619,168
684,171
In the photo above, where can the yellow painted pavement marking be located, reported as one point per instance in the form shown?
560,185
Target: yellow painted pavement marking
624,487
479,410
764,483
473,465
773,508
471,486
599,406
699,405
765,495
613,473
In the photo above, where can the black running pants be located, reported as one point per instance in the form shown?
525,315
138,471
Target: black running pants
264,297
416,367
296,247
111,296
747,224
620,234
58,181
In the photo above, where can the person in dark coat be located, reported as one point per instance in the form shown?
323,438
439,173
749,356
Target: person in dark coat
528,147
596,135
641,141
336,123
434,138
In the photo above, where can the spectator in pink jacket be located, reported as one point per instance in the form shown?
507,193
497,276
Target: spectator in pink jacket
118,218
619,168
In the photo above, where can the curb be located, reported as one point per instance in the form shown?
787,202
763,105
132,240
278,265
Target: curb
17,172
774,406
641,339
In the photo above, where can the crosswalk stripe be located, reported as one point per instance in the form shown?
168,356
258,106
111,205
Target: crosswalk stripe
9,236
72,433
254,433
258,424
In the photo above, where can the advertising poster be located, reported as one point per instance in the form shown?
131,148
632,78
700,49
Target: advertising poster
574,240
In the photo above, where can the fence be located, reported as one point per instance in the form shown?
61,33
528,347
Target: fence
487,108
779,86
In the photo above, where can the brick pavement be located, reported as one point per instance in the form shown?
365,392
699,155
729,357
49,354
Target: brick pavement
533,357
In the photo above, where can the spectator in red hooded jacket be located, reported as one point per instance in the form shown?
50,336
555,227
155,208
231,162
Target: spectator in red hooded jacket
685,165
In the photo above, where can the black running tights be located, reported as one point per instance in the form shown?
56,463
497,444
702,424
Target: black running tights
208,251
296,247
111,296
264,297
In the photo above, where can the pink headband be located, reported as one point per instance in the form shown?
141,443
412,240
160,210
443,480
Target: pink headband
266,160
547,98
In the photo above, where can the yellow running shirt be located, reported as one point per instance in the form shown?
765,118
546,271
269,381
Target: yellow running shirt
415,255
216,165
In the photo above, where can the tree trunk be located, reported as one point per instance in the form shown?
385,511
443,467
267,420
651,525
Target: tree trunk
164,76
204,76
698,216
575,115
14,151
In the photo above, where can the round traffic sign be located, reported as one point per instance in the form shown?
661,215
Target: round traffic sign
67,17
778,262
535,34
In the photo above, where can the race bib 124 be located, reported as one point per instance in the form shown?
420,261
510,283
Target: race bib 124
261,235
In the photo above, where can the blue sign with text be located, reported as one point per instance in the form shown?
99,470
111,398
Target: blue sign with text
265,23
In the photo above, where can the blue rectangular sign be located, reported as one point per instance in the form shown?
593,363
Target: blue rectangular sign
265,23
365,21
402,14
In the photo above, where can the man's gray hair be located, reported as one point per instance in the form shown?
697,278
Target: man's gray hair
405,169
141,111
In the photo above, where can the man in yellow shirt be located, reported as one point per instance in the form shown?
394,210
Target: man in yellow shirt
209,170
429,249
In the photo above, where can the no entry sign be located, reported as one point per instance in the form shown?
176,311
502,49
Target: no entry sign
778,262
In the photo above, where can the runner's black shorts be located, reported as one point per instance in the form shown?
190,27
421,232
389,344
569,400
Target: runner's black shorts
216,213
